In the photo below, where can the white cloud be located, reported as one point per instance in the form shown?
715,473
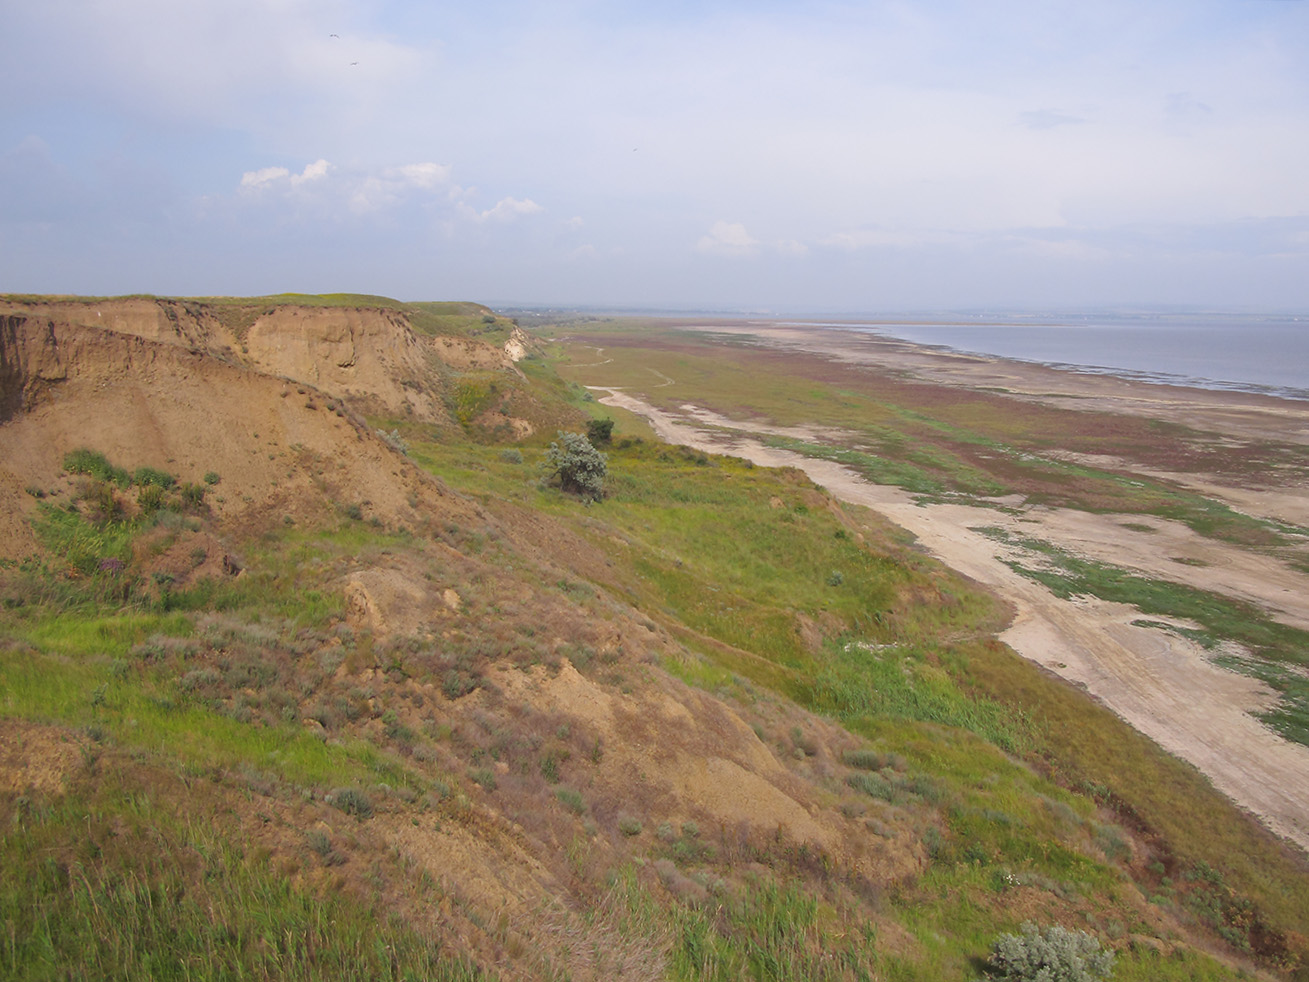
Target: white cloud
728,239
425,175
504,210
312,172
507,209
263,177
325,189
269,176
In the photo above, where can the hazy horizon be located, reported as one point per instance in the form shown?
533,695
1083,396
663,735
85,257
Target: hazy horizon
852,157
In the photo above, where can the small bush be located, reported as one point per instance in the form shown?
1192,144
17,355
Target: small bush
873,785
570,799
150,477
212,478
199,678
873,760
95,464
104,504
394,441
629,826
600,431
457,684
1051,954
511,455
353,802
194,495
150,498
580,467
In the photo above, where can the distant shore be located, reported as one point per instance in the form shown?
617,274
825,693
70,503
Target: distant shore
1253,415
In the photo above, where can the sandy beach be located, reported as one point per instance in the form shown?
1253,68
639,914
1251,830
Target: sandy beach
1157,680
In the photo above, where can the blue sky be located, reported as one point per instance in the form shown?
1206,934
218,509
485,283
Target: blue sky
764,155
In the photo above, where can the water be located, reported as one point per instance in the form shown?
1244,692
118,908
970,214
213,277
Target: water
1264,354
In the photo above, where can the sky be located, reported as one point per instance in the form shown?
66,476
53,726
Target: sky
724,154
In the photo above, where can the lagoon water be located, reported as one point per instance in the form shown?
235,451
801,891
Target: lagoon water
1266,354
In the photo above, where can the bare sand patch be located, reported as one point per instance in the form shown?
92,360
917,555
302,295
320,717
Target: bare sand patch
36,758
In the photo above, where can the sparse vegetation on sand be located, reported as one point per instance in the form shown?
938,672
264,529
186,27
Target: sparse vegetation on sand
1276,653
453,725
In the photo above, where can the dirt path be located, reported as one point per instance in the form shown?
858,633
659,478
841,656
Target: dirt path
1157,681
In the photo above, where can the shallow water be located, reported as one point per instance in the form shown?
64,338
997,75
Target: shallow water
1254,354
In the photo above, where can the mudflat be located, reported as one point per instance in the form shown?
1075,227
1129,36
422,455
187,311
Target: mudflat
1150,671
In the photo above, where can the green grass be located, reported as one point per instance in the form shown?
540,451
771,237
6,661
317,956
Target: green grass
86,676
114,881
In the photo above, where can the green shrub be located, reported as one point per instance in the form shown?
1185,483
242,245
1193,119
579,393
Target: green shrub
352,801
511,455
570,799
873,785
150,477
581,468
873,760
95,464
600,431
194,495
1051,954
150,498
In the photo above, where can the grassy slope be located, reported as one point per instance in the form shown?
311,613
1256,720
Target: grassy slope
723,374
772,594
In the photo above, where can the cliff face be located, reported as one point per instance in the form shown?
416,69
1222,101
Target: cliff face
30,362
271,406
369,357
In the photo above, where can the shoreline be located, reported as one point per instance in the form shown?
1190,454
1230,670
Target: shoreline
1252,415
1171,379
